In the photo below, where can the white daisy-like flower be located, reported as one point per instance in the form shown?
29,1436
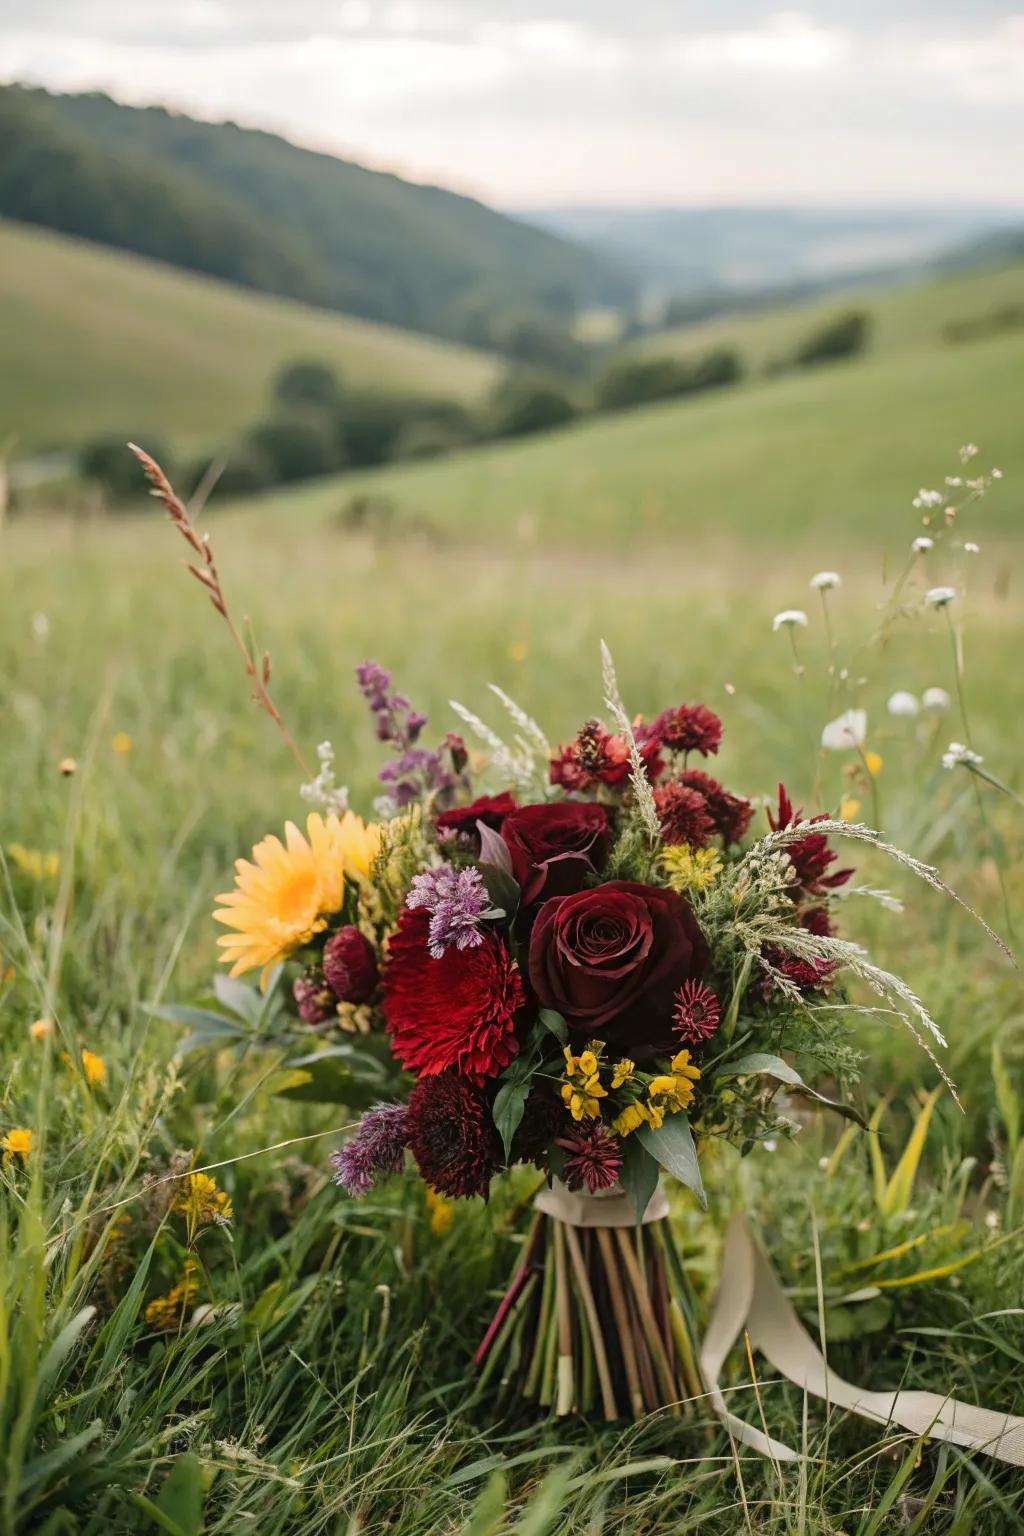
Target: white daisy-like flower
903,704
997,474
846,731
789,618
957,753
826,581
937,699
940,597
922,544
926,498
968,451
970,548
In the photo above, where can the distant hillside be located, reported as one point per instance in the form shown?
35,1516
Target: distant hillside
254,209
97,341
684,251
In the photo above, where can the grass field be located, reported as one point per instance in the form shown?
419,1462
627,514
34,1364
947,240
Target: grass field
96,341
327,1390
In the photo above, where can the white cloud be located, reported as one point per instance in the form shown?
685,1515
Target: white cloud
789,43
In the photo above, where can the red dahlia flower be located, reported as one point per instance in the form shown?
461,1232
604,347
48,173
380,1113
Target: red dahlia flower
596,757
689,728
810,855
697,1012
452,1134
730,813
456,1012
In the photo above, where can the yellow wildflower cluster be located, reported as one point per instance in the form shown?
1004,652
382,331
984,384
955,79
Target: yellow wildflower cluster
34,862
690,869
202,1203
16,1143
441,1211
583,1090
168,1312
667,1094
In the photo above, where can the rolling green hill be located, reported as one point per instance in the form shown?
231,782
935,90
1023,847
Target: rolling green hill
809,457
98,341
257,210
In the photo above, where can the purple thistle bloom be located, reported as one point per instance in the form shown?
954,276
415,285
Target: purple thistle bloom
456,901
375,1151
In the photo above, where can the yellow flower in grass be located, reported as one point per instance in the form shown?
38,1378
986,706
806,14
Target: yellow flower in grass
202,1203
17,1143
690,869
873,763
34,862
121,743
168,1312
442,1211
41,1029
94,1067
283,896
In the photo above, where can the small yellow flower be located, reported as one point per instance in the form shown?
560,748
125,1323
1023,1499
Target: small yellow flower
655,1114
517,650
631,1117
121,743
17,1143
848,808
442,1211
582,1091
873,764
587,1064
202,1203
34,862
41,1029
168,1312
622,1072
584,1104
659,1086
691,869
94,1067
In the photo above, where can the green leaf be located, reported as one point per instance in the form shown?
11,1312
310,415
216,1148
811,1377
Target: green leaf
181,1497
1006,1097
323,1082
501,889
639,1176
509,1104
208,1027
774,1066
555,1023
243,1001
671,1144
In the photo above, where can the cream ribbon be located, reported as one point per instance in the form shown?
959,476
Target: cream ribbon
605,1208
751,1297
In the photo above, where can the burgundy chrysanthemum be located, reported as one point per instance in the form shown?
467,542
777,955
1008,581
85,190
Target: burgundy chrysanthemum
597,757
689,728
684,814
811,856
350,965
457,1011
452,1135
544,1115
593,1157
816,920
730,813
697,1012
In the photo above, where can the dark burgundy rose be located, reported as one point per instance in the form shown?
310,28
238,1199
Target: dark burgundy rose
611,959
350,965
554,846
461,820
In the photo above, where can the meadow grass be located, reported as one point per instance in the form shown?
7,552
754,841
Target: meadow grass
98,341
328,1385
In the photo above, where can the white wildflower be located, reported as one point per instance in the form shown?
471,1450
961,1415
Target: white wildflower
926,498
997,474
922,544
936,698
957,753
968,451
847,730
940,597
40,628
903,704
826,581
789,618
323,791
954,480
970,548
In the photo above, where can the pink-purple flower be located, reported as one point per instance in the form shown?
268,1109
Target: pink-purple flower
456,899
375,1151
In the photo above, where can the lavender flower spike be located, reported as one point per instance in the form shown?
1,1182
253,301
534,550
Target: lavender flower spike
376,1150
456,901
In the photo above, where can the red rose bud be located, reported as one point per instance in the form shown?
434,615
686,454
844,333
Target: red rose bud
314,1000
350,965
556,846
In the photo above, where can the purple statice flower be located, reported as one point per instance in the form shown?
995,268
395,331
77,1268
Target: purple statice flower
376,1150
414,773
456,901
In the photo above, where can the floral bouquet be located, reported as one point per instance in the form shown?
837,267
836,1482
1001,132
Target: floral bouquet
586,971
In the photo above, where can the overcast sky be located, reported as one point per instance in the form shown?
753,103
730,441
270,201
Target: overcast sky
535,102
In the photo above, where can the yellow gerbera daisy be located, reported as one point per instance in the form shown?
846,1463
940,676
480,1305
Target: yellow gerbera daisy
281,898
359,842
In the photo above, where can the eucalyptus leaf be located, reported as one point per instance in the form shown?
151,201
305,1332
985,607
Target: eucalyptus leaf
774,1066
244,1001
639,1175
509,1105
671,1145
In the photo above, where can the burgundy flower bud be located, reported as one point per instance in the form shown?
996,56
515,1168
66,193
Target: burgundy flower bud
350,965
457,748
314,999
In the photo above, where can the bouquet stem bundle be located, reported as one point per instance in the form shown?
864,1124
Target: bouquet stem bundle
596,1319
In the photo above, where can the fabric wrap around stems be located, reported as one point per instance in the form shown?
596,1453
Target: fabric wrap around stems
607,1208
